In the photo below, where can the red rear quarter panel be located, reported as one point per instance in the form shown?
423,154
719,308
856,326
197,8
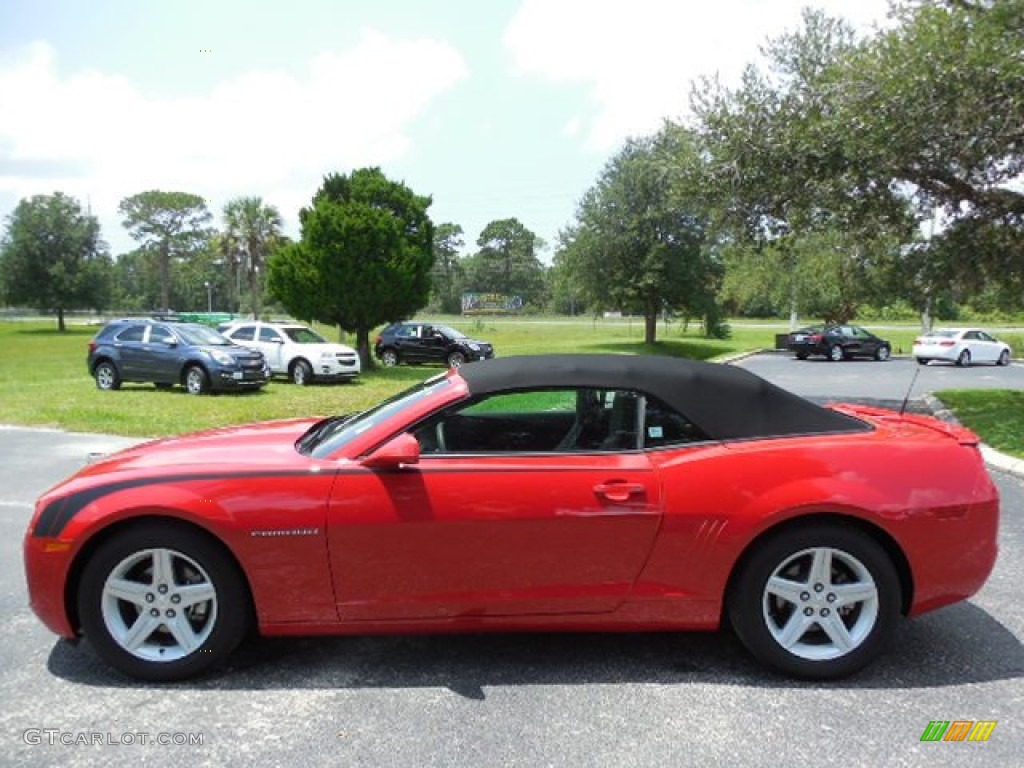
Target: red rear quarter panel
930,495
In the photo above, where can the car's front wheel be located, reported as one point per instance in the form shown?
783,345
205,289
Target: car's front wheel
1004,358
456,359
301,373
197,382
159,602
882,353
818,602
389,358
964,360
107,377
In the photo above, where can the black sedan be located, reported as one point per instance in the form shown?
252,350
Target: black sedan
838,342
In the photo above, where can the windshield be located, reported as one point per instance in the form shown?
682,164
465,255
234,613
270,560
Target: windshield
304,336
451,333
202,336
328,436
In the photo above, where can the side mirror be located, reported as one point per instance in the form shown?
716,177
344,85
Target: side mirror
395,453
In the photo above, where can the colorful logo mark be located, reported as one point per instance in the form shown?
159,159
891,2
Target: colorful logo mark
959,730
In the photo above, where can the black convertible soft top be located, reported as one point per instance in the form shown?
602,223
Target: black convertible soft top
724,401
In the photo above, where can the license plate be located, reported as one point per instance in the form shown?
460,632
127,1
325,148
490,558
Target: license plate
800,337
237,375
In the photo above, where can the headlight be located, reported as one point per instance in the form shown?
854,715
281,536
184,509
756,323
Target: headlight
326,355
222,357
474,347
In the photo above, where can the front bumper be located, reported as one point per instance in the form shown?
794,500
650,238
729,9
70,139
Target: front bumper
239,379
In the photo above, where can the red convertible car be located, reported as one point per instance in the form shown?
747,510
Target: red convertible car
565,492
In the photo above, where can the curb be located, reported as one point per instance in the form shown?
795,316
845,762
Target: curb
1009,464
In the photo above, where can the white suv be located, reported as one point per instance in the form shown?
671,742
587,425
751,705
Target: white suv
296,350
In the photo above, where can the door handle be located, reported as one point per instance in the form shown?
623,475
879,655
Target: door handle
618,491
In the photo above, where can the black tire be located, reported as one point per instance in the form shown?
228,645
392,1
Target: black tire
1004,358
456,359
301,373
389,357
835,353
106,376
801,355
197,381
882,353
759,616
217,625
964,358
923,361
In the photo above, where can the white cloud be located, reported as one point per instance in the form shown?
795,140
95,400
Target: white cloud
267,133
638,58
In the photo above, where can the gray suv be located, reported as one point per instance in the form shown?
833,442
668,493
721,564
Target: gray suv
168,353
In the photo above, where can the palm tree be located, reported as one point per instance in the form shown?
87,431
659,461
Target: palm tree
251,231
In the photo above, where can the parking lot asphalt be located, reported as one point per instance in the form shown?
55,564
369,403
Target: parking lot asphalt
505,700
887,383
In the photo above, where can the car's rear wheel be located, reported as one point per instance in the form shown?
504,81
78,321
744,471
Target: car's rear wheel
882,353
456,359
835,353
923,361
818,602
1004,358
107,377
301,373
801,355
197,382
389,357
160,602
964,358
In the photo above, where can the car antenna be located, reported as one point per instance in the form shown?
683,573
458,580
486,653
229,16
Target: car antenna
913,380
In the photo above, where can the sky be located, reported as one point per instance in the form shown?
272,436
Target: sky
493,108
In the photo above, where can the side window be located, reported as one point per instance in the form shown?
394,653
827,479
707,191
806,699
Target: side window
665,426
132,333
985,337
245,333
160,334
269,334
406,332
971,336
556,420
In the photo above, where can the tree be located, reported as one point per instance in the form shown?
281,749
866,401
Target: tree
364,257
52,257
507,262
168,225
447,274
935,107
640,241
252,231
882,137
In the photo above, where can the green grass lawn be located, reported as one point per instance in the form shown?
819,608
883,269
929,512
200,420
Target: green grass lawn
996,415
43,378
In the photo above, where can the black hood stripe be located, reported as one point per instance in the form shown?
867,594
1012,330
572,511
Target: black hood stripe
59,512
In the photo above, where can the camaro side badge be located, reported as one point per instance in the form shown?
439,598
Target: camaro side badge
273,532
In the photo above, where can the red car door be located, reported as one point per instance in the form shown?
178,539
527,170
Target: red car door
459,536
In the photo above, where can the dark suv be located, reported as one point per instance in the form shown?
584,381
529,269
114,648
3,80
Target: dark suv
168,353
428,343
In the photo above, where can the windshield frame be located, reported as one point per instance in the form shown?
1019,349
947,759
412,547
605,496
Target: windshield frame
344,431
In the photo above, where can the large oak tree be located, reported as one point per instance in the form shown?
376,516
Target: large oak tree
52,257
